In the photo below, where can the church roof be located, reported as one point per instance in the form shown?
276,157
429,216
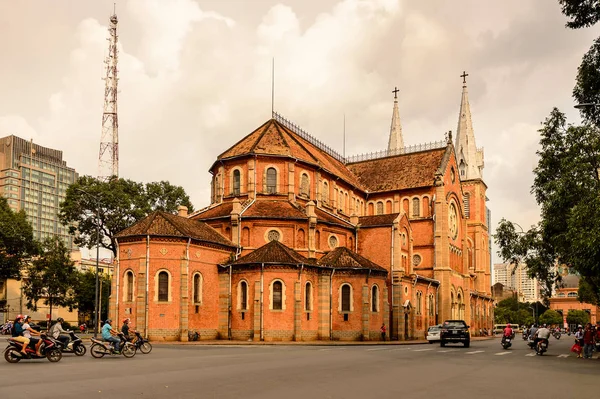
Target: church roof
168,225
273,138
399,172
377,220
343,258
274,209
273,252
222,210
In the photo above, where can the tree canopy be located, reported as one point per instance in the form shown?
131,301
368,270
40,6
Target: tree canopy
567,188
16,241
578,317
582,13
85,291
50,277
114,206
551,317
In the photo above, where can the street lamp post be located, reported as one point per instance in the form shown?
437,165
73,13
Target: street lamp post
96,315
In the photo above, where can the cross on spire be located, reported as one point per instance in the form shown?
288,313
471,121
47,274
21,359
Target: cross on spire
395,91
464,76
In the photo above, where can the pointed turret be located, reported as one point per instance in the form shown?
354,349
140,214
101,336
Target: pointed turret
469,158
396,142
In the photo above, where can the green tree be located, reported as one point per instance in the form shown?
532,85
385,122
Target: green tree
578,317
50,277
85,291
16,241
551,317
114,206
582,13
567,188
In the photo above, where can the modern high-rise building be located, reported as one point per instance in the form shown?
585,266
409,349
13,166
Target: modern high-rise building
35,179
516,278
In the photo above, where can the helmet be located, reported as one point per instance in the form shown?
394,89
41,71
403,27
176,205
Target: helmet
508,325
19,316
580,326
26,317
126,320
108,321
60,319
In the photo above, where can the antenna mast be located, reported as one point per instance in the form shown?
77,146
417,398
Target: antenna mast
108,159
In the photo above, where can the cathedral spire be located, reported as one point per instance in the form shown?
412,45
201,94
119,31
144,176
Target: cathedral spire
396,142
469,158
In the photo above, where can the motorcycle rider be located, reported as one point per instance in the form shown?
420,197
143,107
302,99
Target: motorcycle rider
57,332
109,334
17,333
507,333
541,334
30,333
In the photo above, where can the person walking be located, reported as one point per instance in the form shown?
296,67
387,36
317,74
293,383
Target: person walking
383,332
579,339
588,341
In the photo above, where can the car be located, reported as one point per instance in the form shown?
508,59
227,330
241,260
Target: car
455,331
433,333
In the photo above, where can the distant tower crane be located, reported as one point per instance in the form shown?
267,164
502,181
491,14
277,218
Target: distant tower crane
108,159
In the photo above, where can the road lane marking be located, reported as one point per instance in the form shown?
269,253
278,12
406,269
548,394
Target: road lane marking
563,355
332,349
448,350
422,350
530,354
474,352
376,349
401,349
502,353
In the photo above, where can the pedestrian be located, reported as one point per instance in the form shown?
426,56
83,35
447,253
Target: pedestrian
383,332
579,338
588,341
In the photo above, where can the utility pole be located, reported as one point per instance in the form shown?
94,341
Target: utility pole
108,159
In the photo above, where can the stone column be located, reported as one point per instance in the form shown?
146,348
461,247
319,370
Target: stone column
365,312
323,310
297,311
184,304
256,311
250,178
235,221
141,297
312,227
386,315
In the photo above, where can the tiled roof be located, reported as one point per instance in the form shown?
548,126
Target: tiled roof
399,172
168,225
378,220
274,209
273,252
220,210
324,216
343,258
273,138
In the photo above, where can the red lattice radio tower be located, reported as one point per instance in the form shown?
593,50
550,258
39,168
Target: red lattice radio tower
108,159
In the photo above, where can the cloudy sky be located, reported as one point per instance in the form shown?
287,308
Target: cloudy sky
195,77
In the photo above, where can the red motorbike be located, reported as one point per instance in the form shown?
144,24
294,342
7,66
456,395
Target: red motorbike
49,350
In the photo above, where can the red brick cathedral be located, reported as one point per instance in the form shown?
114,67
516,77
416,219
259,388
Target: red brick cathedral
300,243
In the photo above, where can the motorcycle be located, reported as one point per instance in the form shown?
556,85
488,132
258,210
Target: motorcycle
75,345
541,347
141,344
525,335
49,350
6,328
101,348
506,342
556,334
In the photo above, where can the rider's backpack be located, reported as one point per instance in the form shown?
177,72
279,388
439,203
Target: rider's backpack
13,330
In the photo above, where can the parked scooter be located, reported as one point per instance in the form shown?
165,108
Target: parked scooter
101,348
506,342
49,349
75,345
142,344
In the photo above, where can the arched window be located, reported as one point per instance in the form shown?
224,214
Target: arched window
419,302
467,205
304,185
572,295
308,297
379,210
277,295
431,305
340,200
416,207
561,295
197,288
370,211
375,299
388,207
163,286
346,298
317,239
129,282
325,193
236,182
271,181
243,295
462,167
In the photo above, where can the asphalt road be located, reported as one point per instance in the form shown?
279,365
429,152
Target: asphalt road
293,371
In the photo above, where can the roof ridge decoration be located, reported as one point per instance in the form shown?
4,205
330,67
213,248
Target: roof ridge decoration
344,258
411,149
